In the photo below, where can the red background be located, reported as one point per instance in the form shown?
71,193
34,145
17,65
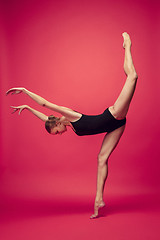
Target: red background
70,52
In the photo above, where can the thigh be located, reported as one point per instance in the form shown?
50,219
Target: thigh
121,105
110,141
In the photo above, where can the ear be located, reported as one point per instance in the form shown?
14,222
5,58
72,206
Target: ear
62,119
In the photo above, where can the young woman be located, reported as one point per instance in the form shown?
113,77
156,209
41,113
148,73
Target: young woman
112,120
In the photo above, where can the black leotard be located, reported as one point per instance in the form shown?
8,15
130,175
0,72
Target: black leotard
95,124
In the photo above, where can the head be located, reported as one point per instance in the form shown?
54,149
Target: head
54,126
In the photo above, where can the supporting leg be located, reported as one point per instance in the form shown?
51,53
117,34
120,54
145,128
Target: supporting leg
121,106
109,143
119,110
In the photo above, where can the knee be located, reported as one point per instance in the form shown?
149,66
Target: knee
132,75
102,160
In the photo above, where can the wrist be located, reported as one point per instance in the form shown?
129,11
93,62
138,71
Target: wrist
24,90
28,107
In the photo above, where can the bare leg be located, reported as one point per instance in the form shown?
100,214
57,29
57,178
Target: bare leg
121,106
119,111
109,143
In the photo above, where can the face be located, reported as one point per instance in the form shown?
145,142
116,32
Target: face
59,129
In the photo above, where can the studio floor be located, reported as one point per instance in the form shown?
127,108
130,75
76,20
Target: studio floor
124,217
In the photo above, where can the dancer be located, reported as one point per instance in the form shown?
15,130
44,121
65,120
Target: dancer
112,120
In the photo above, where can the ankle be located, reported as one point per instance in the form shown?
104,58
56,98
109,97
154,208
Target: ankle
98,199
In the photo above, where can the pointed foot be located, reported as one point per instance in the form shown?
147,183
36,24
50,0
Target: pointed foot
97,207
127,40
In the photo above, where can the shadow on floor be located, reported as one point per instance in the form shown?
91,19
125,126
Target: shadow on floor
132,203
17,209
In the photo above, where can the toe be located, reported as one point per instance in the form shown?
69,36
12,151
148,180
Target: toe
94,216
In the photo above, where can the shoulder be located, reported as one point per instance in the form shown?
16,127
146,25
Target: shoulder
77,118
71,115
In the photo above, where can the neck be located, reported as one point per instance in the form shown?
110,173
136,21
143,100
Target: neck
66,122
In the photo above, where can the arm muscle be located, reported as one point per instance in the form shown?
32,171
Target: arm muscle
66,112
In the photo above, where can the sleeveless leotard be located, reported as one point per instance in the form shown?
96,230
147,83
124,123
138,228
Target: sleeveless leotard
95,124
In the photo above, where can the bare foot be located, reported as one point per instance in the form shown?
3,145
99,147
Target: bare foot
127,40
97,206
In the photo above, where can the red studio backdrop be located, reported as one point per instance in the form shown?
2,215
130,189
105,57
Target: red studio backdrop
70,52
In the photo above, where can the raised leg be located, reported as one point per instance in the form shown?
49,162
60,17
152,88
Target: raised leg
121,106
119,110
109,143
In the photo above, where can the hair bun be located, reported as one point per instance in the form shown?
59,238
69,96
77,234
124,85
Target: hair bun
51,117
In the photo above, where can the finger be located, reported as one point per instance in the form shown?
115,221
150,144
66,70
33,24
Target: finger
13,107
21,110
8,92
15,110
14,92
93,216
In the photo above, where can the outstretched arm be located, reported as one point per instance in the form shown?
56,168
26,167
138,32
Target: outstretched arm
67,112
38,114
41,101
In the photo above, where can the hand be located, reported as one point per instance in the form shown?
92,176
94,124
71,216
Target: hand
15,90
19,108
